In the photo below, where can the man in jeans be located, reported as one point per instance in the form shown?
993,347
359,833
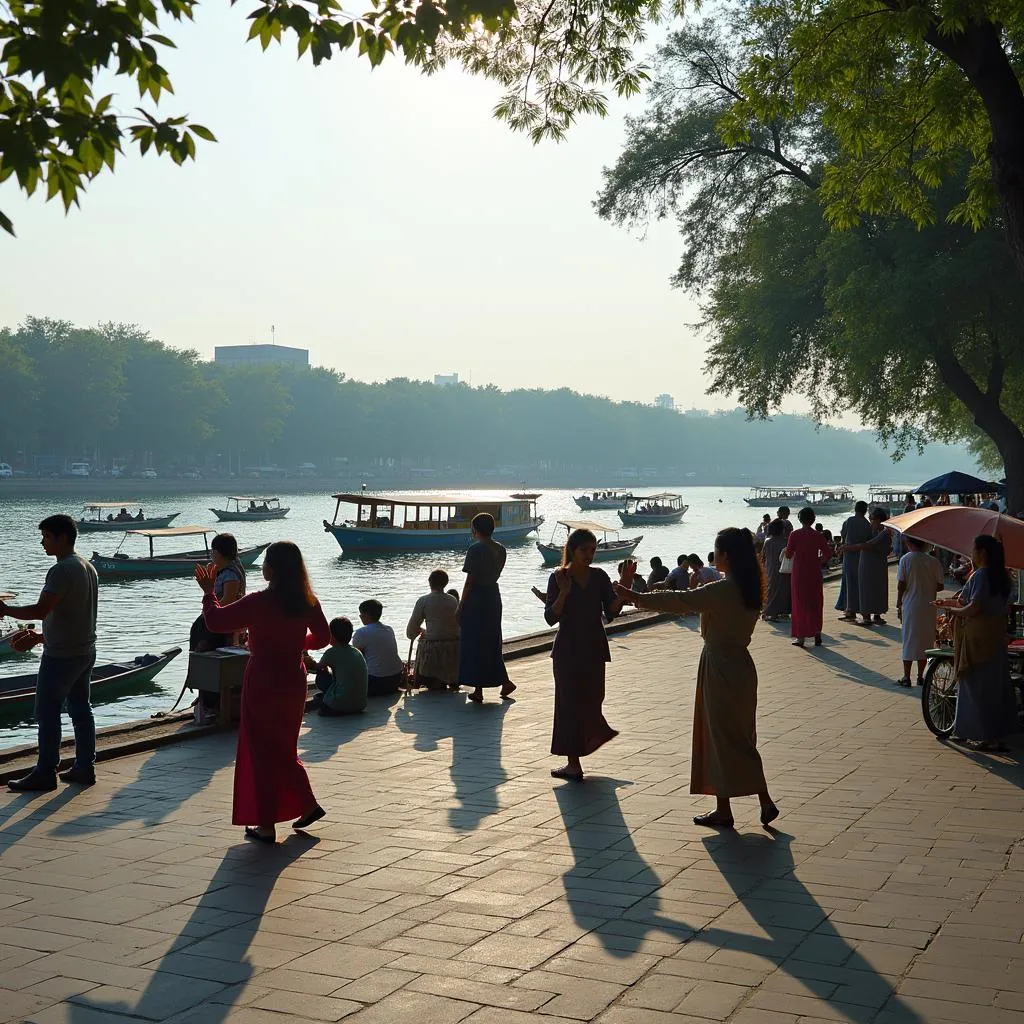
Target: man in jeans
67,608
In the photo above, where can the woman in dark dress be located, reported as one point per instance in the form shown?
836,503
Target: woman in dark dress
481,663
779,588
577,598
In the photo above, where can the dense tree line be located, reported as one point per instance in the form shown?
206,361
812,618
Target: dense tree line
113,393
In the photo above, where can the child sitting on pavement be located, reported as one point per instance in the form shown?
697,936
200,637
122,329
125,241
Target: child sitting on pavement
341,674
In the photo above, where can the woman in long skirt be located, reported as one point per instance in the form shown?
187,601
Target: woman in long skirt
806,547
725,761
873,570
779,599
481,663
580,599
284,620
986,709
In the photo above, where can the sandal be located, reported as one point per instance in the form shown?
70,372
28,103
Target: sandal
255,833
712,820
817,639
567,773
768,815
905,682
309,817
476,698
507,690
879,621
798,642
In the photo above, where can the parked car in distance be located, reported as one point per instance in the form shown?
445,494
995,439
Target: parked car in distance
148,474
5,470
192,474
79,468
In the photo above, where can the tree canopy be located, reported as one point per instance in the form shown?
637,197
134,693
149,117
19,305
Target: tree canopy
114,394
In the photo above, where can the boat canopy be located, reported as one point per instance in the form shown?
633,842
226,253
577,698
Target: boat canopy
110,504
251,497
173,531
586,524
664,496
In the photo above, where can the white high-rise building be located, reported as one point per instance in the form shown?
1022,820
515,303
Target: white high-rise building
446,380
665,402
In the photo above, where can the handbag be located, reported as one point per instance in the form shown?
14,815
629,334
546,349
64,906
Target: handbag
785,564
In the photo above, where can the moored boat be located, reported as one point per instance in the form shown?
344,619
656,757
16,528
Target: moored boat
181,563
93,519
653,509
250,509
602,499
829,500
393,522
773,497
610,547
891,497
17,693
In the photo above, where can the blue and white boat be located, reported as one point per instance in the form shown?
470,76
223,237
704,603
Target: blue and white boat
421,522
182,563
653,509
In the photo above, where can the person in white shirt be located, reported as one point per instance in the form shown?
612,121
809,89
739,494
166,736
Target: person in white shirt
919,578
379,648
701,573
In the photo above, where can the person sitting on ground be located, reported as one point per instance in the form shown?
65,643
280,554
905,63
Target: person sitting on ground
678,578
658,573
701,573
341,675
435,621
380,649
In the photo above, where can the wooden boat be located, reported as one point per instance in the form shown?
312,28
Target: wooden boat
891,497
652,509
94,519
610,547
17,693
393,522
602,499
525,495
7,630
181,563
826,500
773,497
255,510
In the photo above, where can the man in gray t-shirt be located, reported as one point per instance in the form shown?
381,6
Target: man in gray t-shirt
67,608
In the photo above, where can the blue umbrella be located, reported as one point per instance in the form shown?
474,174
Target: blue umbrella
956,483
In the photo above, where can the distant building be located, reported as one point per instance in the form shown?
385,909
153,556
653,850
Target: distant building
446,380
665,402
260,355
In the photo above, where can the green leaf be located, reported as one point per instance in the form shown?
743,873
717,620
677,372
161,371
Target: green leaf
202,132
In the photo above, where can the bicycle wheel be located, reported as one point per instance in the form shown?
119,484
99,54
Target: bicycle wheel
938,696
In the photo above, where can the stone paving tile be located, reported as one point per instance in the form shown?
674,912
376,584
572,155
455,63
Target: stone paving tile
454,882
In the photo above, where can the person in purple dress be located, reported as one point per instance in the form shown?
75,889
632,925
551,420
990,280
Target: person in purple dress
580,599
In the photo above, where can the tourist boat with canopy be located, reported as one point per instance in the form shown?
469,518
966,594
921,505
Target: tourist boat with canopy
94,518
395,522
610,547
829,500
653,509
17,693
250,509
182,563
890,497
602,499
8,629
773,497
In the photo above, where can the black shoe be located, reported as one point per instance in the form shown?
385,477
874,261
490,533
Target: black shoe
309,817
35,782
79,775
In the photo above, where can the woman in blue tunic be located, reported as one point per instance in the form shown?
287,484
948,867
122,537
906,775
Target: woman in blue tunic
985,707
481,663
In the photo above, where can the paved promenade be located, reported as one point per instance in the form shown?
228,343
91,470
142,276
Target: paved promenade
455,882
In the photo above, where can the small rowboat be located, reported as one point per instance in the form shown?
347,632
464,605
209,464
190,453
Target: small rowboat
17,693
652,509
610,548
94,521
182,563
245,509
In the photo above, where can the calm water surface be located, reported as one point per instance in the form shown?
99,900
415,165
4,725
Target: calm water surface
149,616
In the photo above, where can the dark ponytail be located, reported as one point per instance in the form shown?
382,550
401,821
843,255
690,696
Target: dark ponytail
737,544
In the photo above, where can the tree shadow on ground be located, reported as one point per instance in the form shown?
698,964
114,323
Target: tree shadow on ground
326,734
625,884
475,732
239,893
760,870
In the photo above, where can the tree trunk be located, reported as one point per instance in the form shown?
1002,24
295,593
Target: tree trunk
978,51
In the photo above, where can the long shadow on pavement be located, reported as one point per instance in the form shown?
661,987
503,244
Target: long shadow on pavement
475,731
325,735
215,969
798,935
855,672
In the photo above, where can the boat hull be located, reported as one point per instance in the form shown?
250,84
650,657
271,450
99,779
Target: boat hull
128,567
102,526
249,517
646,519
359,538
17,693
588,504
774,502
610,552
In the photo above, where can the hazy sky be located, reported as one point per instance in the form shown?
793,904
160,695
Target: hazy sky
383,220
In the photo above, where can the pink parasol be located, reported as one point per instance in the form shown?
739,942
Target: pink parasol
954,528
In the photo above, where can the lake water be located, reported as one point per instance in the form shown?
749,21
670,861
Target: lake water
148,616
